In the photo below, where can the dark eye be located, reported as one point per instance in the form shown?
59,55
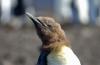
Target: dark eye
49,26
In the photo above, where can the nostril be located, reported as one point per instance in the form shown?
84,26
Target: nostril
42,23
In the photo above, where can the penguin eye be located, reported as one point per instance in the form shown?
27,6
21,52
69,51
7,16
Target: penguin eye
49,25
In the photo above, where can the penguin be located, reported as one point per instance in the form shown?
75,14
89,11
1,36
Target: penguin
56,48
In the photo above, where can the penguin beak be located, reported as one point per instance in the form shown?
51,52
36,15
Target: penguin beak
38,24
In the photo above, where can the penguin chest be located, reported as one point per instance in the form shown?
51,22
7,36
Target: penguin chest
63,57
54,59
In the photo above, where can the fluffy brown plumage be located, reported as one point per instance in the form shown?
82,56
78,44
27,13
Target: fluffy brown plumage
54,37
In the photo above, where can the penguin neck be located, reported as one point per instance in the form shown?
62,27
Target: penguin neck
56,45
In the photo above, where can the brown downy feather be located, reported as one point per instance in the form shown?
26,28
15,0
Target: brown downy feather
55,39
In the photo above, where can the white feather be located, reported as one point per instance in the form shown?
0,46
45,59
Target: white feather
63,57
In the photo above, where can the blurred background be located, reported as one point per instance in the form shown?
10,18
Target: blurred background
19,43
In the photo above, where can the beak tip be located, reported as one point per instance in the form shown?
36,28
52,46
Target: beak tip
32,18
28,14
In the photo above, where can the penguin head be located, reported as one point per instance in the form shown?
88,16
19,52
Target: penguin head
48,30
